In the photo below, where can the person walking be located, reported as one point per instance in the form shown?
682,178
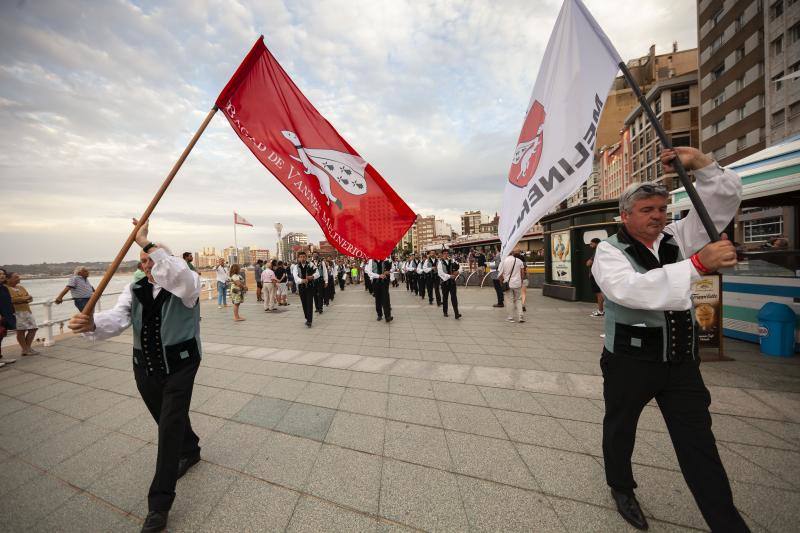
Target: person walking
650,350
448,272
258,269
8,320
379,272
598,294
26,324
282,275
79,288
511,272
304,275
164,311
189,258
269,282
238,289
223,279
494,274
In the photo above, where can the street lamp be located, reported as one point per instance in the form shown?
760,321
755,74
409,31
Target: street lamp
279,230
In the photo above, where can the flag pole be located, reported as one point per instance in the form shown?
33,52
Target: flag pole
89,308
697,202
235,239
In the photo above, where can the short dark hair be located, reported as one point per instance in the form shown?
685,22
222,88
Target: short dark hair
596,240
186,254
260,262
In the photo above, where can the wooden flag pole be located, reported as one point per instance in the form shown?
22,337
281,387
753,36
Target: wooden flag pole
145,216
699,207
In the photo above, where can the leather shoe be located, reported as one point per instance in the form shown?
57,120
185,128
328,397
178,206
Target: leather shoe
446,314
498,305
185,463
389,319
380,318
629,508
458,315
155,521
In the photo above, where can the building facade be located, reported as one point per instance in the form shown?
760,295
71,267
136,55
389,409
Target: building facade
289,243
782,59
470,222
425,231
732,89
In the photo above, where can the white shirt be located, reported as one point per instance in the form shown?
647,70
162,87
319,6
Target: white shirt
511,270
370,267
222,274
427,265
444,276
296,273
169,272
669,288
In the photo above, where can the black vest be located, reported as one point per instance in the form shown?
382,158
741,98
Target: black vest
150,335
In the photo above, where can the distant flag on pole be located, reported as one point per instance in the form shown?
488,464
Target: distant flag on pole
360,214
239,219
554,153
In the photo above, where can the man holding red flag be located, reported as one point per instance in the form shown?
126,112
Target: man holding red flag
357,210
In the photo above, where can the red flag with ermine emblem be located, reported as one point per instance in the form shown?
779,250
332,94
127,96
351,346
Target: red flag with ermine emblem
359,213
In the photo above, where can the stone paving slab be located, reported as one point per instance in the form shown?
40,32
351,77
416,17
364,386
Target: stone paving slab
355,425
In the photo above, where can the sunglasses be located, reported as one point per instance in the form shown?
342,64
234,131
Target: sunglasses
650,189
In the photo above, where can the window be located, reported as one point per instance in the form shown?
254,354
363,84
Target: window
762,229
717,72
681,140
740,113
716,17
716,43
648,135
719,99
649,154
794,33
794,110
741,143
776,10
719,153
658,106
777,80
739,53
650,173
740,84
778,118
739,22
717,126
680,97
777,46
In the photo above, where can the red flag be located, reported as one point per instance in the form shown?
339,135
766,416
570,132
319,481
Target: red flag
239,219
358,211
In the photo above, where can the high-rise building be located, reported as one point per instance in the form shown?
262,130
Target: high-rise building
259,253
326,249
470,222
425,231
613,175
408,243
442,229
730,37
289,241
490,226
782,58
675,101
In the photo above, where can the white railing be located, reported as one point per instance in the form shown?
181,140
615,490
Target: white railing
49,323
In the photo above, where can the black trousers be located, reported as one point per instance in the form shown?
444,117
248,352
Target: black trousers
678,388
407,278
437,282
319,293
383,306
367,283
430,283
449,288
498,288
423,284
307,300
341,282
167,397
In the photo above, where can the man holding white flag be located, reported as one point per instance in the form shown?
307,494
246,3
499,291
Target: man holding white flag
650,344
553,156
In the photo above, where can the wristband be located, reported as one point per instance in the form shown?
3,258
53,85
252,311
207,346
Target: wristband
148,246
699,265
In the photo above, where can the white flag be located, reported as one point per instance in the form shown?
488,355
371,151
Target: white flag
239,219
553,156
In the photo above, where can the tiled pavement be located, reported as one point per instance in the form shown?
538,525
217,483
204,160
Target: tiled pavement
427,423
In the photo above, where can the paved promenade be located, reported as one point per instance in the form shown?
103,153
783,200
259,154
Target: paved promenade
355,425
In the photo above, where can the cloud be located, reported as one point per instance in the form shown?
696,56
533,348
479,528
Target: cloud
98,99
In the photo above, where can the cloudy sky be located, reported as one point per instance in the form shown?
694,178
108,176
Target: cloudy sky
97,100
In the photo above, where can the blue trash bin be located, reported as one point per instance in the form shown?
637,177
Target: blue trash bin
776,323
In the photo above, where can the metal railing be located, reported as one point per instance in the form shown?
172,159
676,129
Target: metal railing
49,323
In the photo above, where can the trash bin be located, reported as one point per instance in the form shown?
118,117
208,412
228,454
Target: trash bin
776,323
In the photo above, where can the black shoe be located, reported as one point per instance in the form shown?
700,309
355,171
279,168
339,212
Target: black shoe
438,304
380,318
390,319
446,314
308,323
458,315
185,463
430,303
319,311
155,521
499,305
629,508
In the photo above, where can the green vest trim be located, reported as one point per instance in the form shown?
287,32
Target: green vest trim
650,335
179,330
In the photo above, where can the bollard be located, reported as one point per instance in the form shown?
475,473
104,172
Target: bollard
48,318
